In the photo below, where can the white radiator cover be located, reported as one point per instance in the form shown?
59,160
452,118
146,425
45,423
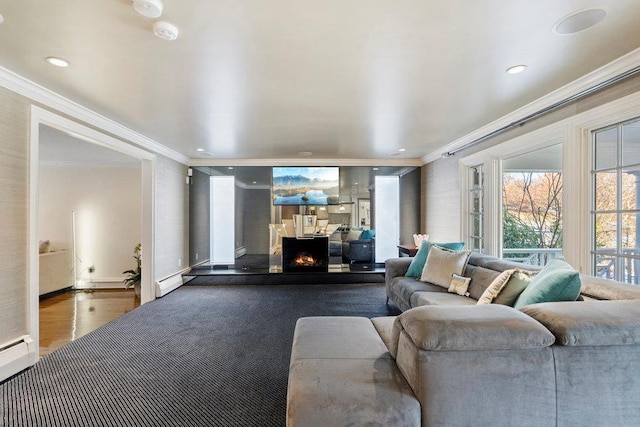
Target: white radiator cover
17,356
168,284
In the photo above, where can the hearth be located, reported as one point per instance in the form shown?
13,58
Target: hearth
305,255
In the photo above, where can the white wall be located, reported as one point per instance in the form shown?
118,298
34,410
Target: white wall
107,206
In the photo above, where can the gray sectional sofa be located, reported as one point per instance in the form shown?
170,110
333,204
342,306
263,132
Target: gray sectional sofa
447,361
408,292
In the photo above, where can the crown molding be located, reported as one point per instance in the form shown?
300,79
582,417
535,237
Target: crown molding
598,76
306,162
22,86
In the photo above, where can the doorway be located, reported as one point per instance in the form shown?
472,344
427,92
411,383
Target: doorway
85,140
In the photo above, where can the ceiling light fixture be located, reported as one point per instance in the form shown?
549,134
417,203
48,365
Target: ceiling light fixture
148,8
401,150
165,30
516,69
200,149
579,21
58,62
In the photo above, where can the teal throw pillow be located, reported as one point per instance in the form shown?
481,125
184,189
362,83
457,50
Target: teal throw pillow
557,281
417,264
367,235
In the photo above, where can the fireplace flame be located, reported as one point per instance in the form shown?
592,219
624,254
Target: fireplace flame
304,260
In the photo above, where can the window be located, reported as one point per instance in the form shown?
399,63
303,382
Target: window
532,206
616,202
476,241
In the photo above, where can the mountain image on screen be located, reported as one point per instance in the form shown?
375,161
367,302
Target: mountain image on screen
304,186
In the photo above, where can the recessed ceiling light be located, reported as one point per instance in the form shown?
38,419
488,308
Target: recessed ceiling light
255,182
579,21
165,30
230,167
58,62
305,153
148,8
200,149
401,150
516,69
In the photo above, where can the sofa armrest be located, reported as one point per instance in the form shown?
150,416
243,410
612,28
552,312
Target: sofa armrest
395,267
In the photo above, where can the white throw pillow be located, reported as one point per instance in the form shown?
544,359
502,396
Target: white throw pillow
442,264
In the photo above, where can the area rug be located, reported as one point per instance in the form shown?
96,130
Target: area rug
200,356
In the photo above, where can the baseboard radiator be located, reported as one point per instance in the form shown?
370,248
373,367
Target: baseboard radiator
241,251
168,284
16,356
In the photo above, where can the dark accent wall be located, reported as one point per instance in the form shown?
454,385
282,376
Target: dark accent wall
199,214
410,206
257,217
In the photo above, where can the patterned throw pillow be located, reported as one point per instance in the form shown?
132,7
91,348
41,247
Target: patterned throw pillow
459,285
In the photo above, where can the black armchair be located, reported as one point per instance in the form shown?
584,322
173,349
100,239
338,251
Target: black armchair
359,251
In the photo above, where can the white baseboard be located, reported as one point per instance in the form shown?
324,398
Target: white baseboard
168,284
102,283
16,356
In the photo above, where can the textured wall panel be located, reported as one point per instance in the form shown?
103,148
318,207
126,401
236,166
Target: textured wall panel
172,218
14,182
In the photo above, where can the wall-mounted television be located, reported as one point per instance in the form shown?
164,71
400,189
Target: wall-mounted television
305,185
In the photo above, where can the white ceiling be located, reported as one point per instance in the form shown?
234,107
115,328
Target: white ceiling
267,79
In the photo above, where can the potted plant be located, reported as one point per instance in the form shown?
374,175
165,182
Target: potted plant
134,276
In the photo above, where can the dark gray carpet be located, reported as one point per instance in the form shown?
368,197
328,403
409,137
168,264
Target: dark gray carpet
200,356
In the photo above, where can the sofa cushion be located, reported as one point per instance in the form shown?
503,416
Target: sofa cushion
441,264
506,288
595,323
336,337
403,287
481,278
557,281
417,264
349,392
439,298
476,327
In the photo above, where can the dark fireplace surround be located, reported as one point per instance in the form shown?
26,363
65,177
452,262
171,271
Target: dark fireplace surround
305,255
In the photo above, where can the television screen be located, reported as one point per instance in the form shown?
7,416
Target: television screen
305,185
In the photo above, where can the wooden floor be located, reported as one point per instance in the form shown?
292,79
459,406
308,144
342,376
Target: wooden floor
67,316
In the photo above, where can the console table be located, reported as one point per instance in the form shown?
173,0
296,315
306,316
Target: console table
410,250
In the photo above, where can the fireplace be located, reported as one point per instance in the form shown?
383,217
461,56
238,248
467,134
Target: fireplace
305,255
